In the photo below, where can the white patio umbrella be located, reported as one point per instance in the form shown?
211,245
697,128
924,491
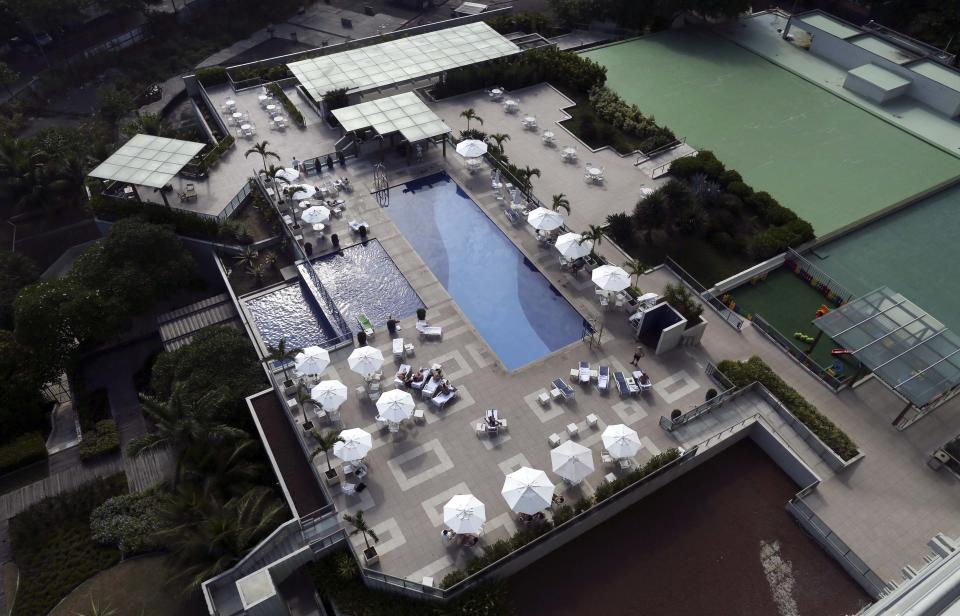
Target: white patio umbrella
396,405
365,360
311,360
570,246
527,490
464,514
304,191
315,214
290,174
471,148
572,461
329,394
620,441
645,191
544,219
611,278
355,445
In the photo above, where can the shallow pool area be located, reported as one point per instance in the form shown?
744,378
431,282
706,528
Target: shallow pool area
516,310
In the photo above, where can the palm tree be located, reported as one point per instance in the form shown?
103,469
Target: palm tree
560,202
360,527
282,354
96,610
651,214
257,271
500,138
247,258
70,179
231,469
594,233
180,427
527,172
261,149
147,124
470,114
325,443
636,268
303,399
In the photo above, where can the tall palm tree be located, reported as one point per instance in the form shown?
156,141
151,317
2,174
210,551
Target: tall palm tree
282,354
470,114
97,610
594,233
359,525
261,148
636,268
528,172
147,124
560,202
180,427
500,138
325,443
232,470
651,214
247,257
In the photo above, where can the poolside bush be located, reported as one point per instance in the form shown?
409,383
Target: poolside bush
606,489
100,441
129,522
743,373
288,105
25,449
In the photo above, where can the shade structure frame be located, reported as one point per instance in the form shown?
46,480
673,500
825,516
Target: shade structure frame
404,113
147,160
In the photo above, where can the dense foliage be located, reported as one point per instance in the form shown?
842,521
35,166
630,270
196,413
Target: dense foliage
16,272
53,547
22,406
21,451
655,14
182,222
288,105
628,118
129,522
100,441
743,373
933,21
521,21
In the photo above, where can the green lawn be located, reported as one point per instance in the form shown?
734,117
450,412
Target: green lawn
829,161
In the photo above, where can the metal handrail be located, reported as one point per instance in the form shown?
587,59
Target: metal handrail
729,316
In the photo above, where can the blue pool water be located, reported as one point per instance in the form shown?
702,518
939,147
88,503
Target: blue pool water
360,279
513,306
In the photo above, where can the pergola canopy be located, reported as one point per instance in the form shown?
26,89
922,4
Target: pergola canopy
404,113
147,160
401,60
910,351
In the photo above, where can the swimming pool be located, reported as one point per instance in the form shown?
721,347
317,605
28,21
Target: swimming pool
322,307
510,303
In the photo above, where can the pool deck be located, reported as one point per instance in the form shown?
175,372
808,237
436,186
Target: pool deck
885,507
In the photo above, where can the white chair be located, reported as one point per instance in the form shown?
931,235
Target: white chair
398,348
409,349
554,440
543,398
418,416
481,429
592,420
349,488
573,429
606,458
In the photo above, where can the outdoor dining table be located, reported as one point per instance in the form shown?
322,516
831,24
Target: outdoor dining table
237,116
511,105
278,119
569,152
530,120
271,107
231,103
496,92
319,227
595,172
245,127
548,135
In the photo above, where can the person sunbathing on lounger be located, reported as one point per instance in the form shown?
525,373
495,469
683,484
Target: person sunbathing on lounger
416,378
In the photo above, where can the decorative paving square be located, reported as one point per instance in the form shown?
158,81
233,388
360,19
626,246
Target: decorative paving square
433,506
676,386
422,463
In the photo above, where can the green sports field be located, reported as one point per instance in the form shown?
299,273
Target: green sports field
826,159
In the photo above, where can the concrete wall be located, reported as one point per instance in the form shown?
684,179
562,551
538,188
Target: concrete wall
670,337
780,452
738,279
693,335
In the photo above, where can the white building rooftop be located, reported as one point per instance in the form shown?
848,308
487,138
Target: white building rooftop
404,113
147,160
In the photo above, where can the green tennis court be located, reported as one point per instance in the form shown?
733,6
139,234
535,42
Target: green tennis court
826,159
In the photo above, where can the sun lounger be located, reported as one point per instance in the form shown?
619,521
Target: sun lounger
431,387
603,378
401,374
512,215
584,372
565,389
365,324
429,330
638,378
398,348
440,400
621,384
632,386
418,385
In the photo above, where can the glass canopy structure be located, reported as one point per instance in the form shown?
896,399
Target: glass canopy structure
910,351
404,113
147,160
401,60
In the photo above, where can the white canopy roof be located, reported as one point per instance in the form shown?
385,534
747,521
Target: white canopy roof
146,160
404,113
402,60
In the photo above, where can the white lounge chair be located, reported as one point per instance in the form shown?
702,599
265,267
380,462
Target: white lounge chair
404,370
425,330
398,351
584,372
603,379
441,399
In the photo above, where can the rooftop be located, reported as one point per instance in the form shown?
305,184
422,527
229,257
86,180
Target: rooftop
937,72
830,25
147,160
884,49
404,113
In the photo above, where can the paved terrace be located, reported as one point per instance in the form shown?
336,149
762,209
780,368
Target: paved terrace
886,507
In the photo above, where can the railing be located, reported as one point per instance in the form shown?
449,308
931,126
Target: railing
802,358
676,143
809,272
234,203
729,391
664,169
732,318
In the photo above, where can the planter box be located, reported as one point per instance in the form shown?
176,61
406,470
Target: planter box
290,387
693,335
370,555
332,477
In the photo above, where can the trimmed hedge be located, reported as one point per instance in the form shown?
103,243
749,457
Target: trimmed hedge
129,522
212,76
629,119
23,450
183,223
743,373
607,489
103,439
288,105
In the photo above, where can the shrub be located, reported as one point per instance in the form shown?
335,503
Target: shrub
680,298
288,105
212,75
562,514
22,451
183,223
129,522
454,577
92,406
711,394
524,21
103,439
743,373
620,229
581,505
775,240
628,118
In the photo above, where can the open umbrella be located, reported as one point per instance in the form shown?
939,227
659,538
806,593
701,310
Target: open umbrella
365,360
527,490
572,461
611,278
620,441
355,444
544,219
571,247
464,514
315,214
329,394
290,174
396,405
312,360
471,148
304,191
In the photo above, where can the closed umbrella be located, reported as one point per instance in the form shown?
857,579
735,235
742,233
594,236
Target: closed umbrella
329,394
572,246
545,220
527,490
396,405
304,191
312,360
611,278
365,360
471,148
572,461
289,174
464,514
315,214
620,441
354,445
